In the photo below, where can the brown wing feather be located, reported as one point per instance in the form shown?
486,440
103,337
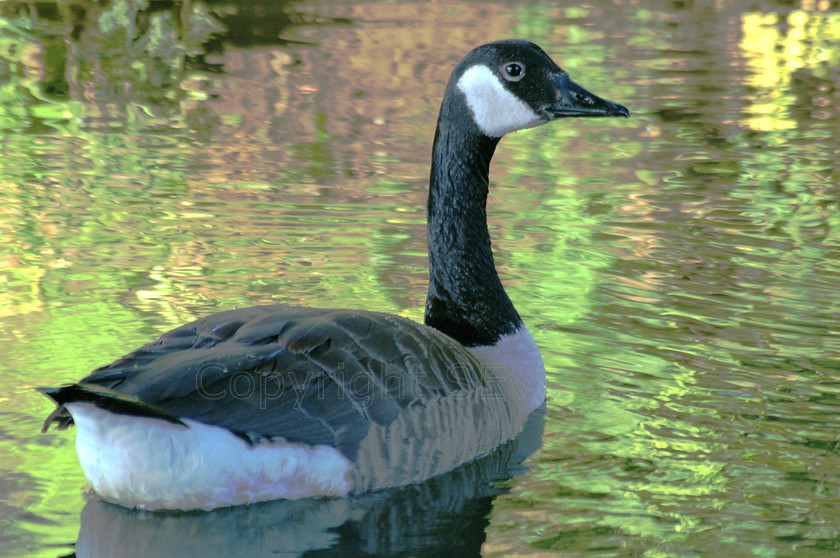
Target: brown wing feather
302,374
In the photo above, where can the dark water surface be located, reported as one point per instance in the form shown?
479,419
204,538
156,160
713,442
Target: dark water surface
680,270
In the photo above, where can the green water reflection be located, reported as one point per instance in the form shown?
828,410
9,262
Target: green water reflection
161,161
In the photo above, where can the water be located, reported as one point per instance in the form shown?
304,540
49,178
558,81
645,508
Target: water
679,270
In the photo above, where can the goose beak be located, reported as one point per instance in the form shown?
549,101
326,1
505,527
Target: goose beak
574,100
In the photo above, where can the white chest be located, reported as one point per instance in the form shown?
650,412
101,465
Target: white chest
516,361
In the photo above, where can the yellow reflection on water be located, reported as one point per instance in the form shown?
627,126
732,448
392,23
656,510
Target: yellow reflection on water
775,48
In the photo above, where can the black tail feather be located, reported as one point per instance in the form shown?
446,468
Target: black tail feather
104,398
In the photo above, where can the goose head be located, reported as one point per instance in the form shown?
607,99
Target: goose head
512,85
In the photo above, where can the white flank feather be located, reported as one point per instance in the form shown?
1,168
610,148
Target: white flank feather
153,464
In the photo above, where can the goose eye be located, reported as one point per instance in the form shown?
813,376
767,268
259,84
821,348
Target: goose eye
513,71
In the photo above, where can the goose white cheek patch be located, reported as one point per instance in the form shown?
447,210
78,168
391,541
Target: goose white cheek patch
495,110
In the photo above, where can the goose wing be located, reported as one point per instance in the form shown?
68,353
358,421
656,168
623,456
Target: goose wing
301,374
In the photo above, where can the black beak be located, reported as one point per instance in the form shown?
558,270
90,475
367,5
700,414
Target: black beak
574,100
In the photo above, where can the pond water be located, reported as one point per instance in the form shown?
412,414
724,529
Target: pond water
680,270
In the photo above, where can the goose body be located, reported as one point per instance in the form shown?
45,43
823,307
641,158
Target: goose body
285,402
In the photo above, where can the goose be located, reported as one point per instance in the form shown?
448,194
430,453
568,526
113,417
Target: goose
283,402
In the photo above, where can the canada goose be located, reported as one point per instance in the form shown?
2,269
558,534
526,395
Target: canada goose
284,402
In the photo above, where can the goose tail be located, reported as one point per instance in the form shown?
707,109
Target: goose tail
102,397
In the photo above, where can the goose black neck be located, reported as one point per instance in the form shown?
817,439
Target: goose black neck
466,299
